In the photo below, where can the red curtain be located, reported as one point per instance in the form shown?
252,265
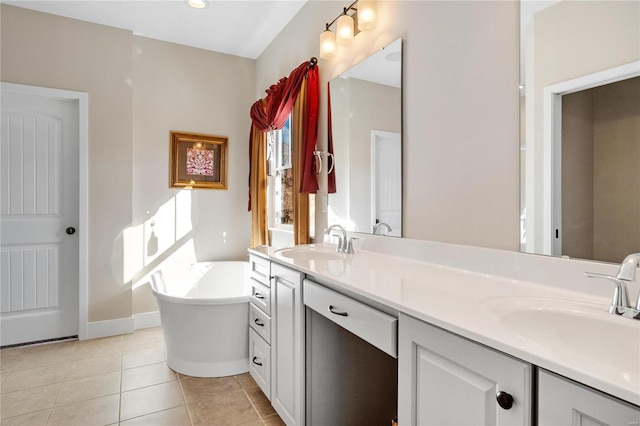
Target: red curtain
271,113
309,182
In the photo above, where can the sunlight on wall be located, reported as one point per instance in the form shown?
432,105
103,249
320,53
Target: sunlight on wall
335,218
163,241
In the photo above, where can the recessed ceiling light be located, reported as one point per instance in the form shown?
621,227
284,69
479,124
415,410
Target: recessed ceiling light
198,4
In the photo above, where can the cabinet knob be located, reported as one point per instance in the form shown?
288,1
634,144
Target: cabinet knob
505,400
258,296
258,323
255,361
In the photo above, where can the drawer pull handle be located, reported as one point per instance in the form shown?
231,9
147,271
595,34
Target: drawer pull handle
259,296
504,400
257,321
333,311
256,362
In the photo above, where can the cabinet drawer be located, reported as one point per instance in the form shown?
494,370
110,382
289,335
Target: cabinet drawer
372,325
260,322
260,269
260,362
261,296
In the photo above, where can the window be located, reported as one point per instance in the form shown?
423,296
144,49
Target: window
280,181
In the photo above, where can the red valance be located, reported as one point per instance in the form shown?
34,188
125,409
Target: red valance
271,113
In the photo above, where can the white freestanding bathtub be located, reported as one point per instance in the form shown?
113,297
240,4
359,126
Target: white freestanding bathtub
205,318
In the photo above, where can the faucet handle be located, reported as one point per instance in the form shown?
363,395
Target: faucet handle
620,299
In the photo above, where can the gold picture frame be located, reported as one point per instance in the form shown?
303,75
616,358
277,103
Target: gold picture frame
198,161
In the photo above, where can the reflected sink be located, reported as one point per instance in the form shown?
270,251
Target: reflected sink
311,252
575,329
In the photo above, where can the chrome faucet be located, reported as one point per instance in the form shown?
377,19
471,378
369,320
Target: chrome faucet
620,302
345,244
381,225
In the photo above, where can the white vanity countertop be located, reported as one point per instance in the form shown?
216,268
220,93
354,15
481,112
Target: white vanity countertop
563,331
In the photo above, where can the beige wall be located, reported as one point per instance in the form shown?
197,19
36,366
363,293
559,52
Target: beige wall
460,106
45,50
140,89
186,89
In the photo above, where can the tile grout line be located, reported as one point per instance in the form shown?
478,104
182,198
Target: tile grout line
250,400
184,397
75,346
120,393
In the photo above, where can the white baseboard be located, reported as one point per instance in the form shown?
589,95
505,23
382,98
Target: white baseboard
107,328
146,320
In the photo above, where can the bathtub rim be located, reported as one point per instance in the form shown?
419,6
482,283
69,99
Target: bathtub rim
243,298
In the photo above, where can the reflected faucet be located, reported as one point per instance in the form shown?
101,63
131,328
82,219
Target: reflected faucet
344,244
620,302
381,225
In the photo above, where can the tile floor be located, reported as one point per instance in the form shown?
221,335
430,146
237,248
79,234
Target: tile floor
121,380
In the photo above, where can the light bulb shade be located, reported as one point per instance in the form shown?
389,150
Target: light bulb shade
344,29
198,4
327,44
367,15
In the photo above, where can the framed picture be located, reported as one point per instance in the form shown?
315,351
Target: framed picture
198,161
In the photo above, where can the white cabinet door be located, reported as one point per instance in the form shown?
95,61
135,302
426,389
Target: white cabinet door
445,379
563,402
260,362
287,340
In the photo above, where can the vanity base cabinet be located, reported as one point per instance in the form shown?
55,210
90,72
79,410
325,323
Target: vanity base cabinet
287,344
563,402
445,379
260,323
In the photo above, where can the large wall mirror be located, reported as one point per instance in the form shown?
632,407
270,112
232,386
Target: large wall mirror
366,122
580,115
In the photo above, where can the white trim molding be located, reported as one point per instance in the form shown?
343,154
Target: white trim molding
146,320
107,328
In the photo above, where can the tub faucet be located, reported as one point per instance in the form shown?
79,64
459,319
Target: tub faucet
620,302
381,225
344,244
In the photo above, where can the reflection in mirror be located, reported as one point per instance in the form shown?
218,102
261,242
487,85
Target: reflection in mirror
580,162
366,121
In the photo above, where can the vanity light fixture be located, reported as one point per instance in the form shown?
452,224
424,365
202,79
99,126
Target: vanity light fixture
349,23
328,46
367,15
198,4
344,28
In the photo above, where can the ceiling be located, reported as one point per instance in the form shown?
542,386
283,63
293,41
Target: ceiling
236,27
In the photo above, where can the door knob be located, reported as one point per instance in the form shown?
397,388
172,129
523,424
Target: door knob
70,230
504,400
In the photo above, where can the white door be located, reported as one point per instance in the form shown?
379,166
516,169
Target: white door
386,180
38,218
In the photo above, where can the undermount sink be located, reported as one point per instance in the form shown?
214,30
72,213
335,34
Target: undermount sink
577,329
311,252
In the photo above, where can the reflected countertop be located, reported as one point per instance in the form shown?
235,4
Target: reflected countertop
554,328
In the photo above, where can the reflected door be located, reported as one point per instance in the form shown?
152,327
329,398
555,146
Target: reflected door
386,180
